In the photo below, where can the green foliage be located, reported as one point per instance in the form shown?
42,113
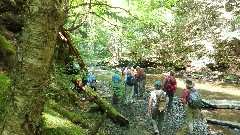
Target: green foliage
169,31
60,87
119,89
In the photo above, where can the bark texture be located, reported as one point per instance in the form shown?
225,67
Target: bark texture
31,75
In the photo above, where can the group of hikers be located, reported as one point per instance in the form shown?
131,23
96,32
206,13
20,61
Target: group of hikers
161,98
134,81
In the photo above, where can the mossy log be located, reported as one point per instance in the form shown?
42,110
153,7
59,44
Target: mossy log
65,36
7,52
76,119
112,113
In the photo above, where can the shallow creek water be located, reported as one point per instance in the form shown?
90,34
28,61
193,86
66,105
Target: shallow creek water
225,115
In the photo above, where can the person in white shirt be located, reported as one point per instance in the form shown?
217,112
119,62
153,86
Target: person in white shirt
157,106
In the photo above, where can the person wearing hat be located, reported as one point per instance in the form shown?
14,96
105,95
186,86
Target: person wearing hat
156,106
116,79
191,113
141,79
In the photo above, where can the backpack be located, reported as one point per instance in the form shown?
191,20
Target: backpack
142,75
130,80
195,100
168,86
161,102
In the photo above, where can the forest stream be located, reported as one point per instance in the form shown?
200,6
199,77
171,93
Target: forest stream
140,123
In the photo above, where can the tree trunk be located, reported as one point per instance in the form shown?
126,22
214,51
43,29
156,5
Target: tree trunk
31,75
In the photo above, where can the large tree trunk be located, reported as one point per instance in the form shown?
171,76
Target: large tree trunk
31,75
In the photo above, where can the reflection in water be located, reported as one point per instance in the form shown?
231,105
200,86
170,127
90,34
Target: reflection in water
225,115
220,129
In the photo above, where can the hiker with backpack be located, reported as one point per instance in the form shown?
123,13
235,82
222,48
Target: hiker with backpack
157,106
192,104
170,87
141,79
116,79
92,80
129,82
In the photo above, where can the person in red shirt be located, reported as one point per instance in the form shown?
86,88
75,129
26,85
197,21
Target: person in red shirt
191,113
170,88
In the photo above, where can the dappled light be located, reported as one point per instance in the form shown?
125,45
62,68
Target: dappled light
54,123
119,67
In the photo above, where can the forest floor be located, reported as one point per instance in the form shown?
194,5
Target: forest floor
140,123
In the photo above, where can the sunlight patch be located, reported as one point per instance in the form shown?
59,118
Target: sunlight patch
54,122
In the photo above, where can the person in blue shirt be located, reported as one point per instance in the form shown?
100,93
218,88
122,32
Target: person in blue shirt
92,80
116,79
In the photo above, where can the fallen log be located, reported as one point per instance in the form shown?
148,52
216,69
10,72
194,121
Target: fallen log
112,113
224,123
65,35
221,104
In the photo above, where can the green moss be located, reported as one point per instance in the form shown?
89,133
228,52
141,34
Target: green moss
6,50
73,116
56,124
4,84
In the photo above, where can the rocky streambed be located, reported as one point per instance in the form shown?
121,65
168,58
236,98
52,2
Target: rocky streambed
140,123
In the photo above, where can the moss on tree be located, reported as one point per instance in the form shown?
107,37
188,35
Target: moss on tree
7,52
4,84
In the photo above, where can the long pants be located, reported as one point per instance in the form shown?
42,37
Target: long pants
142,84
129,94
191,114
136,88
170,103
157,119
115,96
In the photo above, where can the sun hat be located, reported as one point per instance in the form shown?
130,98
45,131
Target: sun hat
158,83
189,82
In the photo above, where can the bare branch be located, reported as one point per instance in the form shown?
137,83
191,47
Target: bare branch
104,4
104,19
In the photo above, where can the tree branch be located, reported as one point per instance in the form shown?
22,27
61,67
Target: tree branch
104,19
104,4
